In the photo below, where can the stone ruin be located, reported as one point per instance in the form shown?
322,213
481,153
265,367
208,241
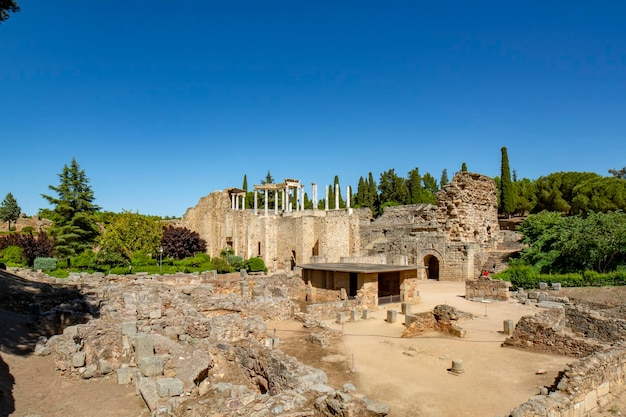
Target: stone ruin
192,345
454,239
443,319
596,337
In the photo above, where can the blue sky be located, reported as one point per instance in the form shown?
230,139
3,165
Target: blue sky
162,103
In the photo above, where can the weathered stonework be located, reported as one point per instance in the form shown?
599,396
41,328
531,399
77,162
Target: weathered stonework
452,239
487,288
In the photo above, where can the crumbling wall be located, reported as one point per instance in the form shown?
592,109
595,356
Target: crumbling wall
459,230
567,331
581,389
487,288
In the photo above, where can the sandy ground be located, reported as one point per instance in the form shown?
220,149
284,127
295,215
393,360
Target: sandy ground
411,374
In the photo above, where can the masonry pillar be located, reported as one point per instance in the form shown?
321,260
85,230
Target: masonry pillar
326,204
336,196
256,204
265,202
314,193
276,202
284,193
348,196
236,202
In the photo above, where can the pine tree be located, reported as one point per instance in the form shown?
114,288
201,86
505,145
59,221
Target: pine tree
75,227
463,167
507,193
9,210
444,178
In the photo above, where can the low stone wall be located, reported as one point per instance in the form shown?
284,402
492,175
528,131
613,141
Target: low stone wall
582,387
487,288
329,311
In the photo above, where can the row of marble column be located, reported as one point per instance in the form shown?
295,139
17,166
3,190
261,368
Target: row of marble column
286,194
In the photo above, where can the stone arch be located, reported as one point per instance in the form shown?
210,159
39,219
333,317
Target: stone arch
433,262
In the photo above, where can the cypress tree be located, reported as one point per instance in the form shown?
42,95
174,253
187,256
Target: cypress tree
463,167
444,178
507,193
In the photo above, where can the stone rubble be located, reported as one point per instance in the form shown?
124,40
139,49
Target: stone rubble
195,345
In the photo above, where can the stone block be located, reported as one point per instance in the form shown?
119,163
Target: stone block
509,326
144,346
533,295
604,389
152,366
78,359
129,328
366,314
355,315
542,297
392,316
104,367
272,342
342,318
125,375
406,308
343,295
169,387
591,401
147,389
556,286
70,332
543,285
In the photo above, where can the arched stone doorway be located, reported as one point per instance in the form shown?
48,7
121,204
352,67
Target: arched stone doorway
432,267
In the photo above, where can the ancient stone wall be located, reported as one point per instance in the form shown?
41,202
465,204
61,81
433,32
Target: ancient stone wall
459,231
487,288
581,389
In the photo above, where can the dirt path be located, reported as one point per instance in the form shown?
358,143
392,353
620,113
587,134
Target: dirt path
30,385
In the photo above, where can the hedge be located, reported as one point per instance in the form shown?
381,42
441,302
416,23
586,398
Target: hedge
528,278
45,264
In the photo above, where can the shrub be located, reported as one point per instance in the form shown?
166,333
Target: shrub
13,255
45,264
28,230
221,265
255,265
180,242
236,262
85,260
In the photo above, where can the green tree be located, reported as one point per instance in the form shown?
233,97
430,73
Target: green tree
430,188
507,194
248,200
9,210
6,7
75,228
555,192
393,189
128,234
599,195
560,244
444,178
525,196
373,200
463,167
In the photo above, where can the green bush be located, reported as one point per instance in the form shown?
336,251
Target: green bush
141,258
28,230
14,255
221,265
236,262
85,260
45,264
59,273
256,265
528,278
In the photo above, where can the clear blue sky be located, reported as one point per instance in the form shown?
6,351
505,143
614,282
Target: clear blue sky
163,102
